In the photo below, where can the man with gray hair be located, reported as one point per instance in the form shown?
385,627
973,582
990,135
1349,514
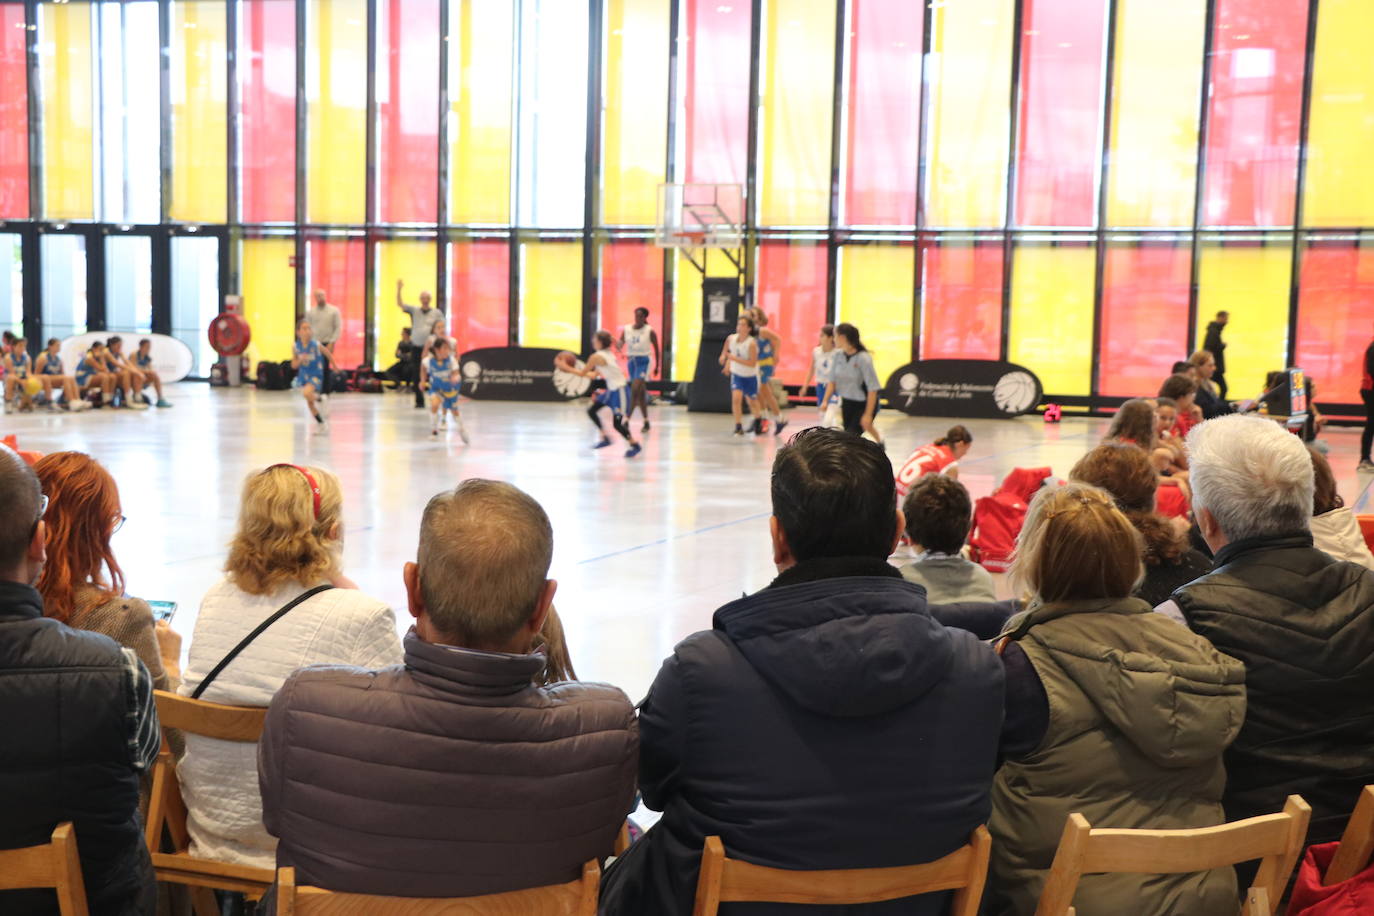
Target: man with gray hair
1301,622
462,771
80,725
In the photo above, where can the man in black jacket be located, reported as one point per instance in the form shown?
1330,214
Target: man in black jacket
79,723
1302,623
825,722
1213,344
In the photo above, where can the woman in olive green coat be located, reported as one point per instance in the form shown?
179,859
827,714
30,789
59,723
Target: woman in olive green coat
1113,711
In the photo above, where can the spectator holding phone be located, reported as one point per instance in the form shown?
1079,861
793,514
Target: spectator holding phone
82,584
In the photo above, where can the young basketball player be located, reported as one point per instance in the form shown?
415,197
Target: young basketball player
740,359
143,362
639,341
602,364
92,374
822,355
18,369
439,377
770,348
50,373
130,379
311,362
941,456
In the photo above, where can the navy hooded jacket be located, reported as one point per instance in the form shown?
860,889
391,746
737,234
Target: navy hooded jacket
826,722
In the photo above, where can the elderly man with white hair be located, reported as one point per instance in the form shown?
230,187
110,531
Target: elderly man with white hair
1301,622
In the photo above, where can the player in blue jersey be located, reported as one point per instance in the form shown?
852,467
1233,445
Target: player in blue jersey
639,343
143,362
311,362
20,381
439,376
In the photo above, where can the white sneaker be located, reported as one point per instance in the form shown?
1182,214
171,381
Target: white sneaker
132,404
463,433
79,405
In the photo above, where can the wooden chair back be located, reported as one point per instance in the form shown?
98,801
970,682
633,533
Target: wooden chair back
725,880
167,810
55,864
1275,839
576,898
1357,843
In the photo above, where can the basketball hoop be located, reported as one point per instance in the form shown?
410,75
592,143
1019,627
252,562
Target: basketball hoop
697,218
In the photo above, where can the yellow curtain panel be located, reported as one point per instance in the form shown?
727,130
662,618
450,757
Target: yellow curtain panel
1052,315
415,262
798,94
65,77
636,114
969,114
1341,128
876,290
551,295
269,296
479,129
1157,79
1251,281
336,90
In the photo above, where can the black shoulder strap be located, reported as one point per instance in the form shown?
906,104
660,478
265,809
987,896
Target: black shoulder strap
257,631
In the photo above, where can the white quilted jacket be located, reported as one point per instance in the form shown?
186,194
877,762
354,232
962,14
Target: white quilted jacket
219,779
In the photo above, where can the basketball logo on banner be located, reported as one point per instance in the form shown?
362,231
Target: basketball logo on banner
1016,392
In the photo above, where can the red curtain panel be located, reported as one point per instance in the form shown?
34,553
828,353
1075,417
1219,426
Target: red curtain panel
962,293
1144,328
408,113
717,91
267,110
1335,317
479,293
336,266
631,276
791,290
14,114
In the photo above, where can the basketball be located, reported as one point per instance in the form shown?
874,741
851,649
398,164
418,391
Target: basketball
565,360
32,385
1015,393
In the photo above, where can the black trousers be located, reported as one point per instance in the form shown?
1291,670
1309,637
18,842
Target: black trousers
1367,437
1219,379
852,413
617,420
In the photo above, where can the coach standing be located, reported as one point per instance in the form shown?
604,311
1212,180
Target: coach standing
326,326
1213,344
1367,395
425,323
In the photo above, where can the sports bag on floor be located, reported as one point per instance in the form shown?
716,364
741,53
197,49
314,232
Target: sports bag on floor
997,519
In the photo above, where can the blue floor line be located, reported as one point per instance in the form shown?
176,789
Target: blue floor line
676,537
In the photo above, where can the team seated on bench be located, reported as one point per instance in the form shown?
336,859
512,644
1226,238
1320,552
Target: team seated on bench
827,721
103,377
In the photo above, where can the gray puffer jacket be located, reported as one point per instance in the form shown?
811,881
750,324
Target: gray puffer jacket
452,775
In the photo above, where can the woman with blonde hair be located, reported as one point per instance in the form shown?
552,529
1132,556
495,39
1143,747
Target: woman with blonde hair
1112,710
1203,366
82,584
284,603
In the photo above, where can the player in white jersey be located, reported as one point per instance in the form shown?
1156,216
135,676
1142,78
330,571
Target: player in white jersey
602,364
740,359
822,357
638,342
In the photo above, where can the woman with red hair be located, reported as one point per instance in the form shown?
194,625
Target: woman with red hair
82,584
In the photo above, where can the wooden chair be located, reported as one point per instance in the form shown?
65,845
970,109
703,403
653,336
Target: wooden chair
724,880
1357,843
55,864
576,898
167,811
1275,839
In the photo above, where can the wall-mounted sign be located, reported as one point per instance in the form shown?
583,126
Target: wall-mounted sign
963,388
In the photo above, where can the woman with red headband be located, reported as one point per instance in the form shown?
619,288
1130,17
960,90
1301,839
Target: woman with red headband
284,603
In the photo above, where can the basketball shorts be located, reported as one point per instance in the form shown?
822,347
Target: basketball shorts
83,377
308,377
618,400
766,373
638,367
749,384
820,393
447,395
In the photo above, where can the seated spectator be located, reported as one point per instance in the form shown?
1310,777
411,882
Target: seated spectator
289,541
1125,473
827,721
938,514
1211,403
1137,424
463,775
82,584
1335,530
1182,390
406,368
1112,711
1166,412
80,725
1301,621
